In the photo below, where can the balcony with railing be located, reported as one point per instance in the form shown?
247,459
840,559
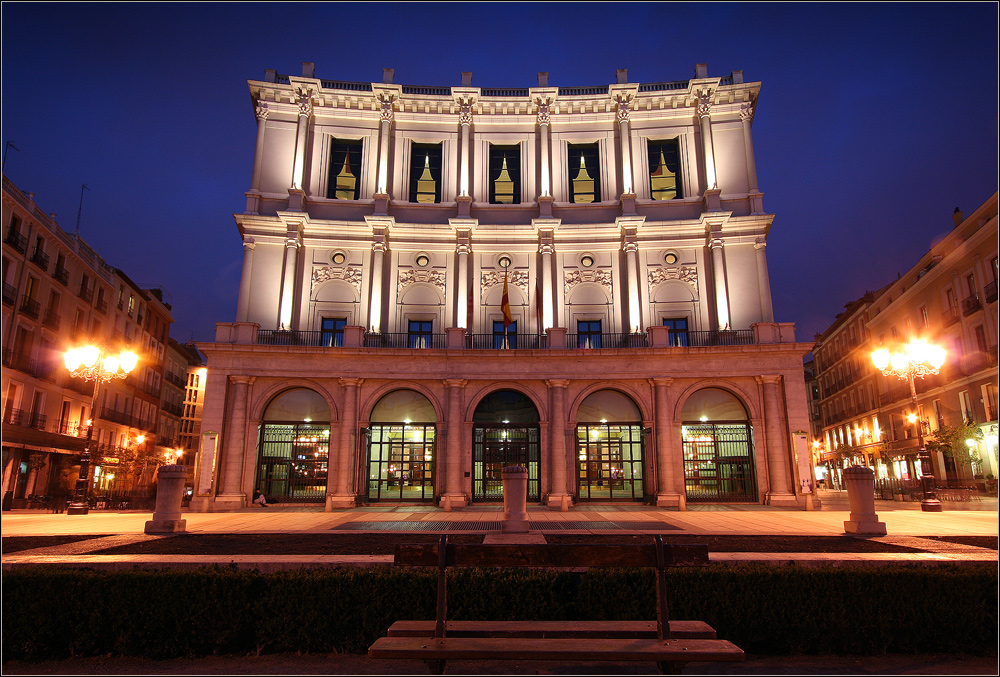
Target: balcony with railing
971,304
174,379
52,319
25,419
40,259
171,408
102,306
991,292
950,316
62,274
16,240
9,294
30,307
86,293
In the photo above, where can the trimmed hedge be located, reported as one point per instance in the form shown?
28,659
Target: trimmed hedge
158,614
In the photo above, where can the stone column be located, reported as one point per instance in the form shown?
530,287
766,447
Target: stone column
719,272
763,284
705,116
375,301
543,134
243,304
285,308
299,161
746,116
386,117
258,151
631,250
453,495
462,285
780,492
558,461
626,143
233,459
669,460
465,122
546,249
346,443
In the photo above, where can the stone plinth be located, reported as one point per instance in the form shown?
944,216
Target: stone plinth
169,491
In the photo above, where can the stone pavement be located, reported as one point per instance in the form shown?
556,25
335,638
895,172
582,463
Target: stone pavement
906,525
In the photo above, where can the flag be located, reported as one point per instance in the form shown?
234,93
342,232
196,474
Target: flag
505,305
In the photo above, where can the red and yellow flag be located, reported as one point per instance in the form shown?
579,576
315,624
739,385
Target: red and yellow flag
505,304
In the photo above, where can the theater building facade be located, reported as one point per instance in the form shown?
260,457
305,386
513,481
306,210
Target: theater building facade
441,281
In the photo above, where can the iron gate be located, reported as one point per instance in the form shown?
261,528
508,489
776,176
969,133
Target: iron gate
495,447
718,462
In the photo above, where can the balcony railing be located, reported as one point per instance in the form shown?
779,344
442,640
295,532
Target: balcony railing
178,381
102,306
991,292
971,304
30,306
52,319
285,337
375,340
593,341
950,316
171,408
40,259
496,341
62,274
9,294
721,337
86,293
17,241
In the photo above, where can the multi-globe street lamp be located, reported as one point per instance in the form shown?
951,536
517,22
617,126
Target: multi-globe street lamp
91,363
917,359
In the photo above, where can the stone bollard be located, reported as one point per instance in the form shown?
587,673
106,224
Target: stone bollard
860,483
169,490
515,499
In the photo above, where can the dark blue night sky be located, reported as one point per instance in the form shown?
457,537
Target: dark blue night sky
874,121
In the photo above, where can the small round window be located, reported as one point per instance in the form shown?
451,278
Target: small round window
587,261
504,261
338,257
670,259
422,260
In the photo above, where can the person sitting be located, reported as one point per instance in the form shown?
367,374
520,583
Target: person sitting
259,499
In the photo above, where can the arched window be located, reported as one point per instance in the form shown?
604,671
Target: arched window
718,448
505,433
293,448
609,448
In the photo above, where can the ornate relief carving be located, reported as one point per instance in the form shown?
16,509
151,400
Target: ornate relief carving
465,114
262,111
348,274
305,105
515,278
705,104
433,277
682,273
387,114
543,114
746,111
575,277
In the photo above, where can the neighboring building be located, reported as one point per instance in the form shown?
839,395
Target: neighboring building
572,278
815,421
949,298
58,293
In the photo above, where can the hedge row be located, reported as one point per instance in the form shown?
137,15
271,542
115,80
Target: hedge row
158,614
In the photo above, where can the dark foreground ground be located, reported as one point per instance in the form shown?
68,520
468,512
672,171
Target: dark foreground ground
350,664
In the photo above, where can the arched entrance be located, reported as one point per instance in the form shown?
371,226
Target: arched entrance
505,433
718,448
401,448
294,447
609,448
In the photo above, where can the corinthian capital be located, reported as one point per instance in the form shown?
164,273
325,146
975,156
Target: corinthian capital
387,112
465,114
746,111
261,111
543,113
705,103
305,105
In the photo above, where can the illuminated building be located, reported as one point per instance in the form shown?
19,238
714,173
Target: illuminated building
372,357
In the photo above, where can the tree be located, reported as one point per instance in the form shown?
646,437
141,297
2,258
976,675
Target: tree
950,441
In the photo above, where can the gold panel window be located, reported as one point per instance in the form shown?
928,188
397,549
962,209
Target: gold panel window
425,173
505,174
345,170
584,172
664,170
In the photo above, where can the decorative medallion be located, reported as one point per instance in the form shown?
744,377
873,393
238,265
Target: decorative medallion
432,277
348,274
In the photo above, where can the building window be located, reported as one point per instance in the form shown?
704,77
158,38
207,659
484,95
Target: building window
504,338
505,175
425,173
664,170
924,318
584,173
333,331
420,333
588,333
345,170
965,402
678,330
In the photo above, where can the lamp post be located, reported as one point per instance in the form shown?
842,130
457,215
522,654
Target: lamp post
916,360
91,363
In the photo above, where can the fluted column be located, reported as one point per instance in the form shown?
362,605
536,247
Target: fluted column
375,302
543,134
462,286
546,249
669,450
631,250
705,115
246,276
763,284
719,273
557,449
298,164
233,459
285,307
346,443
258,151
386,117
746,116
626,143
456,424
777,452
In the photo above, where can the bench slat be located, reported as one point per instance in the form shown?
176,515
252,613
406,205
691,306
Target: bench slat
551,555
590,649
548,629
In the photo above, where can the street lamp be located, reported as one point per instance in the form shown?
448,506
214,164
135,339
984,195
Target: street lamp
91,363
917,360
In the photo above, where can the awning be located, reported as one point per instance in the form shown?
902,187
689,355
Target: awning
19,437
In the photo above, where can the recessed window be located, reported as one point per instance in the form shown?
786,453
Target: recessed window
588,333
425,173
584,173
670,258
505,174
664,170
338,258
504,337
678,326
422,260
504,261
345,170
420,333
333,331
586,260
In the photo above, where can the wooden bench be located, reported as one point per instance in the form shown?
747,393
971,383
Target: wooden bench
670,644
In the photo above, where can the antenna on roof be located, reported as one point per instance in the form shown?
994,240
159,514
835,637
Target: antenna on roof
79,211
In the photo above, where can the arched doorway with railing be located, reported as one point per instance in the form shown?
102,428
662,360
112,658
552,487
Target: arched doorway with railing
609,448
505,432
402,445
293,447
718,448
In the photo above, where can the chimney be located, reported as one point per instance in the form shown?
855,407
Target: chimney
270,75
387,75
701,70
737,77
308,69
958,216
622,74
543,79
466,79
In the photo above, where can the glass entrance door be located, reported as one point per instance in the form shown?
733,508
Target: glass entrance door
609,462
293,461
718,462
498,446
401,462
